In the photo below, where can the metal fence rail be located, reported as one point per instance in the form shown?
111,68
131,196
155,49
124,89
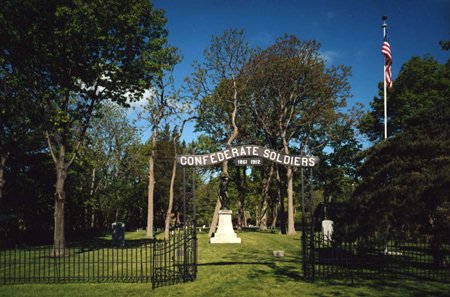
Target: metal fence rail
160,262
371,259
94,262
175,260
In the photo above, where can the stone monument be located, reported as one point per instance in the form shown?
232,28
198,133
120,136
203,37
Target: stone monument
225,232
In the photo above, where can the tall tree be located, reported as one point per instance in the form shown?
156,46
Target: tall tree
20,118
421,84
405,181
405,186
107,153
13,117
337,171
177,132
295,97
160,106
82,52
216,83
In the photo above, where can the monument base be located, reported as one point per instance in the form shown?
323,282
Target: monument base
225,232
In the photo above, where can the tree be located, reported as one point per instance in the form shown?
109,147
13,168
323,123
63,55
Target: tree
216,83
405,186
421,84
19,116
176,136
160,106
114,158
337,171
405,182
294,98
82,53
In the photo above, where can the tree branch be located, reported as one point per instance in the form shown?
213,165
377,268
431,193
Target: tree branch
50,147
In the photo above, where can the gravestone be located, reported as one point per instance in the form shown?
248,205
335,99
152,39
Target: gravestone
118,234
327,229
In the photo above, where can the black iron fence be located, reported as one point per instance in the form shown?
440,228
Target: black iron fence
368,258
96,261
160,262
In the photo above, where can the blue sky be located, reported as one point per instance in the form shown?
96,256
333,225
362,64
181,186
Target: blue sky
349,31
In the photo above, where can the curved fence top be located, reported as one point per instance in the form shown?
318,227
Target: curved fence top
245,151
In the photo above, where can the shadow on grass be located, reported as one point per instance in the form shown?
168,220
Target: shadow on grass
282,270
227,263
383,287
287,272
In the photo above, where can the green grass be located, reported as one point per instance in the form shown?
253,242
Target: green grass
247,269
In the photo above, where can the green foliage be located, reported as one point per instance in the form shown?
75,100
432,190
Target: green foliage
293,95
421,84
165,155
405,186
108,181
405,179
287,96
337,174
72,56
215,83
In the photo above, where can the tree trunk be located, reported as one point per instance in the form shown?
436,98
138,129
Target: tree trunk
265,202
242,198
86,219
215,219
87,207
3,158
274,217
290,192
92,219
257,214
151,187
151,190
116,217
241,183
281,199
60,197
238,182
283,229
290,188
171,194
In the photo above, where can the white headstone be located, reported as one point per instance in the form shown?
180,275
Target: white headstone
327,229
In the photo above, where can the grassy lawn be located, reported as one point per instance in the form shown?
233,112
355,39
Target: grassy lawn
248,269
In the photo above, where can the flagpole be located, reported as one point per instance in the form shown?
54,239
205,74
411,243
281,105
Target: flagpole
384,26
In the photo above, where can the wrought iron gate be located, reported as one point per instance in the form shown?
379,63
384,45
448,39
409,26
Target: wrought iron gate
175,260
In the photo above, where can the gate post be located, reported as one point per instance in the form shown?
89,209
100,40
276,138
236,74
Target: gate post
312,260
185,279
304,260
194,223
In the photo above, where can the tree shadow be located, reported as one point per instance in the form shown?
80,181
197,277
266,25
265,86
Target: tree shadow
289,270
383,287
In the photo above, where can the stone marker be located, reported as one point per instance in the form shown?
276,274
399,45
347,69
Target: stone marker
225,232
118,234
327,229
278,253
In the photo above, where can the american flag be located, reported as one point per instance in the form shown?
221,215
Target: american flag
386,51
